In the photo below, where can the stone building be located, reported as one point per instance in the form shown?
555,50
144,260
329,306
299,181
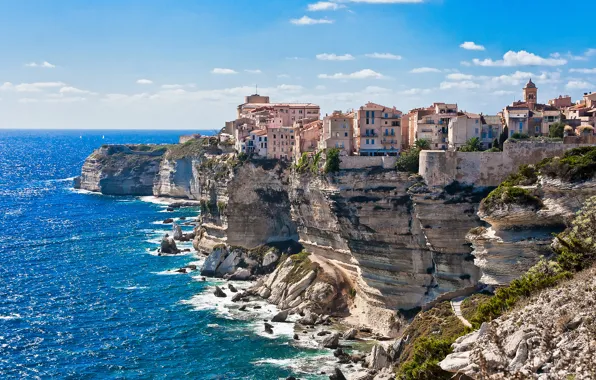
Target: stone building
377,130
338,132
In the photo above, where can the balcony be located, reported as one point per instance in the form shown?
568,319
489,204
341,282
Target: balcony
395,124
370,134
389,141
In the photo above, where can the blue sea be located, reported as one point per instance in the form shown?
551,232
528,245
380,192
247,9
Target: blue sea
84,296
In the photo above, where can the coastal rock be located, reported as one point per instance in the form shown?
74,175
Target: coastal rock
378,358
331,341
268,328
168,221
122,169
350,334
219,293
177,232
232,288
280,317
337,375
168,245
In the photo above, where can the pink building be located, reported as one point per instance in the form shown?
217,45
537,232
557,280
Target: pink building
307,138
281,142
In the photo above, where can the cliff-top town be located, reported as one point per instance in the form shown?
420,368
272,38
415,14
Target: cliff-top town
287,130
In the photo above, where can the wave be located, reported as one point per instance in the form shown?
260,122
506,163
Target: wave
131,287
10,317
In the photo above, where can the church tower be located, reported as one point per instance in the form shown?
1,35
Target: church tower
530,94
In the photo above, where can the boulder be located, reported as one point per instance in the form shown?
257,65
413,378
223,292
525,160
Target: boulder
337,375
219,293
378,358
168,221
280,317
183,218
237,297
168,245
296,337
268,328
323,333
332,341
309,319
170,209
232,288
177,232
350,334
241,274
242,308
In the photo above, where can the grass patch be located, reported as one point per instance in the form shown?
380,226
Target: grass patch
470,304
506,194
431,334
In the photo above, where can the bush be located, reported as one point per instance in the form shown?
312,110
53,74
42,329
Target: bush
556,130
409,161
428,352
333,161
576,165
493,149
303,163
472,145
519,136
511,195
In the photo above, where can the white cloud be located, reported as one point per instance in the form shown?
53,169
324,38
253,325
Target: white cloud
465,63
74,90
416,91
256,71
324,6
520,58
384,56
362,74
144,81
44,64
320,87
6,86
65,100
590,52
33,87
305,20
28,100
334,57
422,70
281,76
503,92
583,71
459,76
177,86
466,84
290,87
376,90
221,71
578,85
387,1
469,45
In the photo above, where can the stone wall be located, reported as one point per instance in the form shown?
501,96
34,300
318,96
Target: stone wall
362,162
440,168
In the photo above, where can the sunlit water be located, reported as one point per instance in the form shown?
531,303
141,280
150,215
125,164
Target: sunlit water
82,294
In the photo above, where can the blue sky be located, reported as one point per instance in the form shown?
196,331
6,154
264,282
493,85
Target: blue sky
153,64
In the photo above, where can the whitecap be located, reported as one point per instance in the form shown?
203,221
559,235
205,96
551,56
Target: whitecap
131,287
10,317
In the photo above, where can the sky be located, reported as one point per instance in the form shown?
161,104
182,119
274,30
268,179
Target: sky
165,64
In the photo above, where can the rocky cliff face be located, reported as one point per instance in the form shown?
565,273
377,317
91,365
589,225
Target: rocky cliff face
243,204
520,233
122,169
402,241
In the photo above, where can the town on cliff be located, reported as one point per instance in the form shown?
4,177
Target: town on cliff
426,245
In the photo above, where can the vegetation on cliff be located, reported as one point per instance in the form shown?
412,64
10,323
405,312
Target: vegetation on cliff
430,336
409,161
576,165
332,161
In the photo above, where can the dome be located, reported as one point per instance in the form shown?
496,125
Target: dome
530,84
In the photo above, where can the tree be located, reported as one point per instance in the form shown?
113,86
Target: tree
422,144
333,160
556,129
504,136
496,144
409,161
472,145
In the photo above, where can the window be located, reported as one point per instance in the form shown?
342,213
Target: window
367,121
300,111
274,137
336,134
372,141
521,125
386,116
372,114
386,132
476,121
367,114
345,134
337,145
476,131
367,141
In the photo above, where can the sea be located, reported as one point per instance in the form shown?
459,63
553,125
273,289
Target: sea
84,295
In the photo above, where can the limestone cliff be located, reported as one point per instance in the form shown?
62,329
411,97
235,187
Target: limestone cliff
402,241
122,169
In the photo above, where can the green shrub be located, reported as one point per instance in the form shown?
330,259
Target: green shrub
303,163
511,195
408,161
333,161
472,145
428,352
576,165
519,136
556,130
493,149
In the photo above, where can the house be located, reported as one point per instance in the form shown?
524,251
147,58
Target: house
337,132
377,130
432,124
281,142
307,137
462,128
258,143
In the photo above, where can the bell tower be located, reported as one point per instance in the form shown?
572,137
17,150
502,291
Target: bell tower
530,94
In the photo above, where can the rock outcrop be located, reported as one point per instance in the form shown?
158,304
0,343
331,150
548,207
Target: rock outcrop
122,169
551,337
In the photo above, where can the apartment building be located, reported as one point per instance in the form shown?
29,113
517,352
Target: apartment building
377,130
432,124
337,132
281,142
